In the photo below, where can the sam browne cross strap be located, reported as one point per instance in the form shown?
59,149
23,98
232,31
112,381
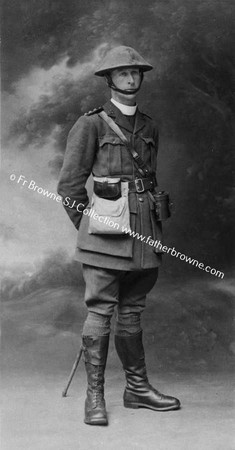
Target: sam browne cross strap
147,181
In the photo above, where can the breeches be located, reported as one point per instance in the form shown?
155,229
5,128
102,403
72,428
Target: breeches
107,288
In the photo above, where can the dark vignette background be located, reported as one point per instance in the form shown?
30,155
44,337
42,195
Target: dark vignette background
48,56
49,52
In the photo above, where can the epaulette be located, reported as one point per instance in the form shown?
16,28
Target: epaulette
146,115
94,111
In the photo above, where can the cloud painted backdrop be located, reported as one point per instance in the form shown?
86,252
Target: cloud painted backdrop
50,50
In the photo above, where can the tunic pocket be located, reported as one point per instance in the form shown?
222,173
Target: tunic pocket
111,147
152,157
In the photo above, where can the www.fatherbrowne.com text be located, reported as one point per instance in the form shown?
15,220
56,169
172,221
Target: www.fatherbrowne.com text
80,207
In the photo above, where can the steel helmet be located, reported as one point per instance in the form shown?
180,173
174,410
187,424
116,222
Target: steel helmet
122,56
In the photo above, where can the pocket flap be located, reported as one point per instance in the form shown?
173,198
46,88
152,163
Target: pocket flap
148,140
114,140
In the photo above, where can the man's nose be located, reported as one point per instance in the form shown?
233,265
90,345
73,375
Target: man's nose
131,79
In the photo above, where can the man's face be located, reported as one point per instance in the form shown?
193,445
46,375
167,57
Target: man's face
127,78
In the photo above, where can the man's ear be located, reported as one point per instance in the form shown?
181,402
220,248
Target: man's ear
106,79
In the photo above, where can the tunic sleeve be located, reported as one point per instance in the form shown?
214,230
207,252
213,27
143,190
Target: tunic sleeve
77,166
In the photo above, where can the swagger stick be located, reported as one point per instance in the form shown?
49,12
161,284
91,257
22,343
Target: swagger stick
76,362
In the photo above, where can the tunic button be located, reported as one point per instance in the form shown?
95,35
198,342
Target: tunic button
141,199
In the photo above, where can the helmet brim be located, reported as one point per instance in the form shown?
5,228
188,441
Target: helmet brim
144,68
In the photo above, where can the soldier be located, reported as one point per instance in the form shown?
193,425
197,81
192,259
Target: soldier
117,144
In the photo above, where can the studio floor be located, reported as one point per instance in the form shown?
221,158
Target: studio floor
188,354
36,417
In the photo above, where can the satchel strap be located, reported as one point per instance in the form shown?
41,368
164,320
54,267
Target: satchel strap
140,164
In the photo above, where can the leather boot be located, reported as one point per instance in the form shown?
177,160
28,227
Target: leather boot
95,355
138,392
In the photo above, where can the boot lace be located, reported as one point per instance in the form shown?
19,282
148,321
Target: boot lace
98,389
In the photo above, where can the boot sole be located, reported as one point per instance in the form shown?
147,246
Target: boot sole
143,405
101,422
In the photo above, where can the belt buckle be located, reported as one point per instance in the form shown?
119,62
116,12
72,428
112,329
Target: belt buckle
140,189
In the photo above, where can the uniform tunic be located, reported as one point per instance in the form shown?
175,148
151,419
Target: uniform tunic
93,147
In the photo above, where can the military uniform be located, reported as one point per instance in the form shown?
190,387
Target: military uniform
118,269
94,148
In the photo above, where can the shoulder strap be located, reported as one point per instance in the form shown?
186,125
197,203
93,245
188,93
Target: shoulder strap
140,164
94,111
113,126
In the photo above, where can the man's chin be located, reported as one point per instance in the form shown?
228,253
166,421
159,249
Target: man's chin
130,95
126,99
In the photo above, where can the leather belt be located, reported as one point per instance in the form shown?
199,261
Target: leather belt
140,185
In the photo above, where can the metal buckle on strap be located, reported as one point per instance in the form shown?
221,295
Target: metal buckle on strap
139,185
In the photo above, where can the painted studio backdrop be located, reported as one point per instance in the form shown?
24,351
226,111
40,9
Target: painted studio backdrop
49,53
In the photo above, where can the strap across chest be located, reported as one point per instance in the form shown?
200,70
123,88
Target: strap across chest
141,166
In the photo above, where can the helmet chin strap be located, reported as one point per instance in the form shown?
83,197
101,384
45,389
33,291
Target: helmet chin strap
126,91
